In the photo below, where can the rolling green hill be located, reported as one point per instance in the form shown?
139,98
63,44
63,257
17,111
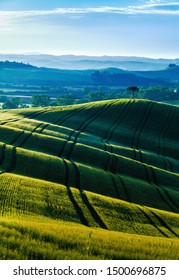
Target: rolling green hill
168,74
14,73
91,181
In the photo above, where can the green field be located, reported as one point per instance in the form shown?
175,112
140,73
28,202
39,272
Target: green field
92,181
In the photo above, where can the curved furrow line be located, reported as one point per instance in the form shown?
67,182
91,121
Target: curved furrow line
22,133
152,222
13,161
62,119
137,155
24,140
77,208
29,135
31,115
45,125
71,133
67,175
141,156
112,129
35,114
159,189
40,127
65,143
11,121
18,137
84,197
115,186
122,118
106,167
77,177
166,130
22,117
117,121
166,163
107,147
92,210
140,124
161,133
151,179
170,165
144,120
113,165
170,198
76,133
122,183
163,223
84,125
12,164
2,153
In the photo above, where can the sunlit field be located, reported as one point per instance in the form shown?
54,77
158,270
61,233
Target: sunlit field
91,181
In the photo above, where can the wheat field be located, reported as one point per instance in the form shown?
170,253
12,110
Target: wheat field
91,181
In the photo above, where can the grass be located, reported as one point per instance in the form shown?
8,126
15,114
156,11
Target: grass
41,238
98,173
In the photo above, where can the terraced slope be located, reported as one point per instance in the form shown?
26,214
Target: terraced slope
106,166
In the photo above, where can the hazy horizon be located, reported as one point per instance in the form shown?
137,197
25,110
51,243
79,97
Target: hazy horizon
87,55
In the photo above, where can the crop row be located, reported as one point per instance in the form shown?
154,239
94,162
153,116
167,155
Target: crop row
30,196
43,166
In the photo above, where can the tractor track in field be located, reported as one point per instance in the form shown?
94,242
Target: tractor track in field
81,128
140,127
160,189
115,186
109,132
84,197
152,222
165,128
2,153
62,119
152,179
119,164
126,192
12,160
79,212
122,117
163,223
22,117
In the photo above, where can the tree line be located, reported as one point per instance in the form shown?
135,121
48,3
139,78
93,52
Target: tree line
88,94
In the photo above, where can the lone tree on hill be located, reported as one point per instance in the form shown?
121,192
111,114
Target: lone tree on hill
133,89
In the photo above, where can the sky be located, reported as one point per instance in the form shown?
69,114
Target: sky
145,28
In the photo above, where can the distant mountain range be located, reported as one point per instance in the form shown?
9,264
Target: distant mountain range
20,73
91,62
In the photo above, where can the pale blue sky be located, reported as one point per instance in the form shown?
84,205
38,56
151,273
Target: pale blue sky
128,27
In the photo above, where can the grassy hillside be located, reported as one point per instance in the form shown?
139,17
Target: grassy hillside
168,74
99,173
14,73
